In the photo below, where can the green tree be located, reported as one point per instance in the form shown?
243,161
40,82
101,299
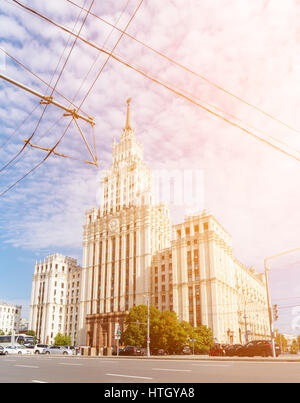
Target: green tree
294,347
136,326
281,341
62,340
166,332
203,336
1,332
172,336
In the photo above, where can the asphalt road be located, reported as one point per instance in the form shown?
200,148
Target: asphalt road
44,369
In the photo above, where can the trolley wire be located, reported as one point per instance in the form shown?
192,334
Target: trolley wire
159,82
219,87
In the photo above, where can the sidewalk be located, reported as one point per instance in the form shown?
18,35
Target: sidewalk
281,358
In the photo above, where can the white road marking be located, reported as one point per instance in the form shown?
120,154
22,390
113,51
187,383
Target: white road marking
129,376
170,369
35,381
212,365
68,363
27,366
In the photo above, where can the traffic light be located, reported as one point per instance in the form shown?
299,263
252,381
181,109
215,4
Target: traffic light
275,312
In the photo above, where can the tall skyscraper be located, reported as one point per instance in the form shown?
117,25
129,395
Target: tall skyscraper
120,239
130,256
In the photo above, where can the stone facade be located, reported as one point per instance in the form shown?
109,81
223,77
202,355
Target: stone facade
10,316
128,254
199,278
55,298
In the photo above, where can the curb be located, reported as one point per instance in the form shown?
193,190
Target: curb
198,358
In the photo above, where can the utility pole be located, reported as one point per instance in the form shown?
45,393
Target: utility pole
148,326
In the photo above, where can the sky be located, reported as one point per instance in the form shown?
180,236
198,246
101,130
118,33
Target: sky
249,48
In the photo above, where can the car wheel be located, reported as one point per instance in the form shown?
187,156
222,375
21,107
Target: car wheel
37,352
65,353
6,353
47,352
19,353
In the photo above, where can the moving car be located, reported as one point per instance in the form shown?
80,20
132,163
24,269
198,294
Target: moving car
130,350
259,347
40,348
17,350
58,350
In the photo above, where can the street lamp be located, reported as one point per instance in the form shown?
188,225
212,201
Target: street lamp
268,293
148,323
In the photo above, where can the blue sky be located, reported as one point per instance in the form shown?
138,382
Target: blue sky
249,47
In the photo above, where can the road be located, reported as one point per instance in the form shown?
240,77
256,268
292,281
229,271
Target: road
44,369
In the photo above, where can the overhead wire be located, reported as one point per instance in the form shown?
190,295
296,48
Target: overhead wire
40,79
52,91
219,87
52,150
67,127
111,53
122,61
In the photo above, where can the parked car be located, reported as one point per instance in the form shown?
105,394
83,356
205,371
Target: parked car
217,350
159,351
58,350
2,350
143,351
186,350
130,350
40,348
72,349
232,350
259,347
17,350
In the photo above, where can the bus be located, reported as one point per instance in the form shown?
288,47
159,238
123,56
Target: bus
18,339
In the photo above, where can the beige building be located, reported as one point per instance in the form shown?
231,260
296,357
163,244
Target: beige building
120,239
128,254
55,298
10,316
199,278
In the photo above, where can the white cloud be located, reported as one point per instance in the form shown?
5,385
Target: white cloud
249,47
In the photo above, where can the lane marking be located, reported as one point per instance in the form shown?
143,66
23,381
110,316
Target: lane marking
129,376
35,381
170,369
68,363
212,365
27,366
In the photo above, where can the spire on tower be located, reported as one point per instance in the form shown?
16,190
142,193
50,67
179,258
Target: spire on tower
128,117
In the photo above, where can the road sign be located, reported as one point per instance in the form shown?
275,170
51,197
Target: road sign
117,331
